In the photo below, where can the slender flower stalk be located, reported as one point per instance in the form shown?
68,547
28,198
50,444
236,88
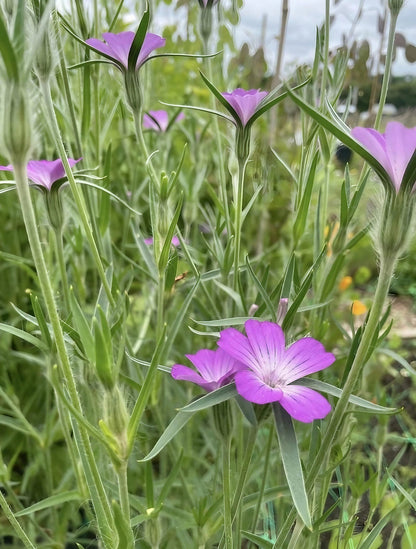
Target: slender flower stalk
226,486
78,196
8,513
387,67
97,492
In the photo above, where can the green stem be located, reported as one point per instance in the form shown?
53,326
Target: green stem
59,245
263,479
228,528
387,69
371,328
220,155
14,522
238,204
76,192
98,495
158,238
325,52
123,490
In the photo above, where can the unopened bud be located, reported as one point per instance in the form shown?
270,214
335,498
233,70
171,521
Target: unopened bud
17,127
45,58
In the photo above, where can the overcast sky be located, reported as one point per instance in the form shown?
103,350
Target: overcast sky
304,17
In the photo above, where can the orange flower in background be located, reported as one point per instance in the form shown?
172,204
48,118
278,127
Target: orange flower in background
345,283
358,308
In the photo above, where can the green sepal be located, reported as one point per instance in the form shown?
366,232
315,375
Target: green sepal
125,533
222,99
342,132
138,40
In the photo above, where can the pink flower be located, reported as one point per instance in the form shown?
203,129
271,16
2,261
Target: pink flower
393,149
244,103
44,173
117,47
159,120
215,369
269,368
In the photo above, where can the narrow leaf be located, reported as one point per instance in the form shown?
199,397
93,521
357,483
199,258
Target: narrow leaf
52,501
291,462
211,399
179,421
138,40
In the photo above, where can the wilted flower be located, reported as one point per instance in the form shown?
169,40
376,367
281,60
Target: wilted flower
117,47
269,368
159,120
44,173
244,103
215,369
393,149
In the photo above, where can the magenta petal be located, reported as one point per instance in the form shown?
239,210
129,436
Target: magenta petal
58,170
184,373
151,43
304,404
214,365
100,46
120,45
8,168
158,120
400,146
268,343
253,389
305,356
237,345
374,142
244,102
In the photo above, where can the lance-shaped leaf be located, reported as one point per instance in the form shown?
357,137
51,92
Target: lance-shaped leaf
291,462
138,40
341,131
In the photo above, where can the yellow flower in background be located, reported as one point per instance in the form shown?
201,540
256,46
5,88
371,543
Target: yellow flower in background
358,308
345,283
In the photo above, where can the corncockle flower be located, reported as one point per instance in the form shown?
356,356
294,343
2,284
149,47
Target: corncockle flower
393,149
43,174
48,177
117,46
175,241
270,368
215,369
244,103
159,120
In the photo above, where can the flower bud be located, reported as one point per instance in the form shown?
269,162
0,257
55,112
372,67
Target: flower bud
45,58
17,127
116,418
